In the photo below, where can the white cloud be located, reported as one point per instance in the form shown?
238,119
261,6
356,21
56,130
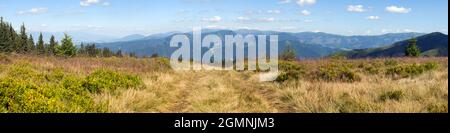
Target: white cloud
395,9
243,18
306,2
273,11
267,19
356,8
373,17
34,11
306,12
86,3
284,1
214,19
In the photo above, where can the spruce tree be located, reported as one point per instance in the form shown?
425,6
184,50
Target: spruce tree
40,48
106,52
11,39
22,40
52,46
3,36
289,52
119,53
30,45
412,50
67,47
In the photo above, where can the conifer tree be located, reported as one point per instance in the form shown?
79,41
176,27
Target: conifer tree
67,47
119,53
22,40
52,46
40,48
3,36
30,45
412,50
289,52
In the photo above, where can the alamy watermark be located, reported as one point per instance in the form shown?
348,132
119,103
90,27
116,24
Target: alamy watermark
235,52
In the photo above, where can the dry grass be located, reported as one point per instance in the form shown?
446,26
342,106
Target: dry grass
230,91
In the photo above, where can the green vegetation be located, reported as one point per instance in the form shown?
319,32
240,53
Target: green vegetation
392,95
40,45
24,88
48,83
404,71
289,53
23,43
412,50
102,80
291,71
337,73
67,48
438,108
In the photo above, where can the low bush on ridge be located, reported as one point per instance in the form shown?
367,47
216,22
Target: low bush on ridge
345,71
103,80
337,73
290,71
24,89
405,71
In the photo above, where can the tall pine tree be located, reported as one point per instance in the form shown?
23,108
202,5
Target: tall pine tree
40,48
30,45
67,48
4,35
22,40
412,50
52,46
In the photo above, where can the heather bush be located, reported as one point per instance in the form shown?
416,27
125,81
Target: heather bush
103,80
337,73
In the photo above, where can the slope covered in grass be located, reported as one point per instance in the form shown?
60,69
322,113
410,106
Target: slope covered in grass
50,84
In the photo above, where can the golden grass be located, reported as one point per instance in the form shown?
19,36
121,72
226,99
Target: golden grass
231,91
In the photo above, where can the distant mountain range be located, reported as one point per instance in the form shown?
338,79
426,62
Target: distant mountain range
306,44
433,44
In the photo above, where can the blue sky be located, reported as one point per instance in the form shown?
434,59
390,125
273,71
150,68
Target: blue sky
124,17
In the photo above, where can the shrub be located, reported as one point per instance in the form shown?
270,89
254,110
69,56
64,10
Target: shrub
411,70
437,108
337,73
291,71
102,80
392,95
161,63
390,62
289,75
26,90
20,96
371,68
428,66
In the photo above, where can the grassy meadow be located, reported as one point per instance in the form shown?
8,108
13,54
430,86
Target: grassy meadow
82,84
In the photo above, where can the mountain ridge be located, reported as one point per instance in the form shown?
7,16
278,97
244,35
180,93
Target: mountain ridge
307,44
433,44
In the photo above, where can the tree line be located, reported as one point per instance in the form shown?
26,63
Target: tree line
23,43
